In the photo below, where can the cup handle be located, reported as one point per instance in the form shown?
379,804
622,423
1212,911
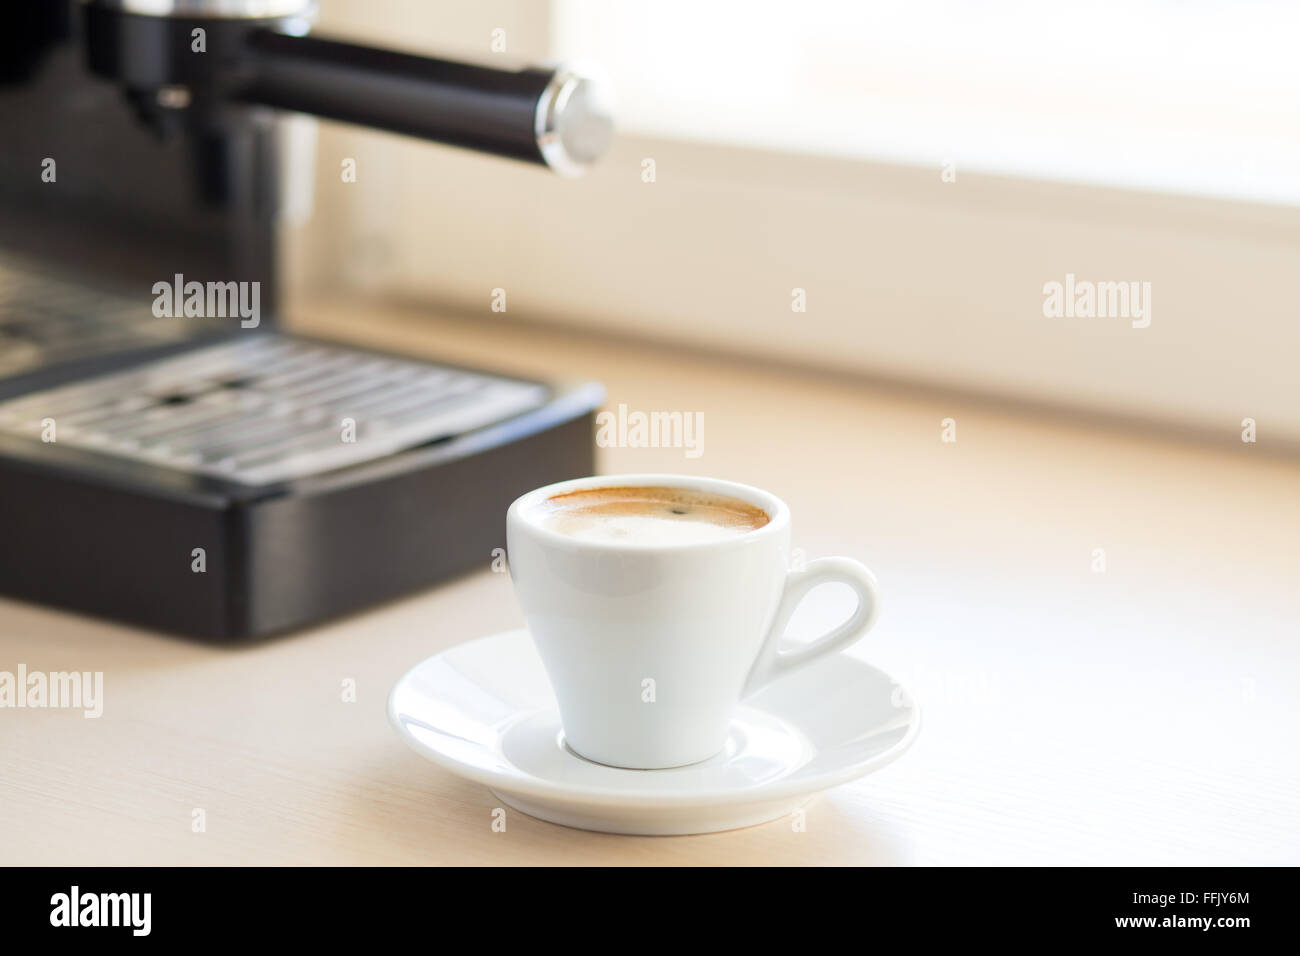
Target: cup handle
772,663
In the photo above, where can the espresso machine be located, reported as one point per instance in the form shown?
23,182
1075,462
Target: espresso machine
168,456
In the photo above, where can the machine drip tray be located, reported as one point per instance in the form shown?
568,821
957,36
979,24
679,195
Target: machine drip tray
264,482
268,409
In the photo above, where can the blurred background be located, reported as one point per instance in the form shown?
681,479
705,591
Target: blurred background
920,169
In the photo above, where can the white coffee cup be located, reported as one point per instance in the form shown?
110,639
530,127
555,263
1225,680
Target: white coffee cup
650,647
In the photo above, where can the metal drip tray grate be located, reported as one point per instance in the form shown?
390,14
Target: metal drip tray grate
45,321
268,409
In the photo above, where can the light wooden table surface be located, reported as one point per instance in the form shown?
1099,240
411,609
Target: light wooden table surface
1146,714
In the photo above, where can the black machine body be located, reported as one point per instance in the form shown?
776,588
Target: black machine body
177,471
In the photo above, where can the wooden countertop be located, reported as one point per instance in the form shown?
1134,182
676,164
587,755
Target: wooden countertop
1141,715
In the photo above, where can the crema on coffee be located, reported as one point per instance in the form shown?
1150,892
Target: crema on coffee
648,515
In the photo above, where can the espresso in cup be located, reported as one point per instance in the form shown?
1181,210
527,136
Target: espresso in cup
658,602
649,515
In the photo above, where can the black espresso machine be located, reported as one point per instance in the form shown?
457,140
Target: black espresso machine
167,456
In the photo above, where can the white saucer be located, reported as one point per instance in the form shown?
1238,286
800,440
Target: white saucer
485,711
